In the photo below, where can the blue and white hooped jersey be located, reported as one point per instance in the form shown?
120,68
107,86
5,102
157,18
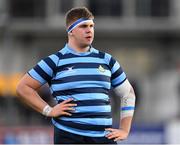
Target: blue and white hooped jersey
87,78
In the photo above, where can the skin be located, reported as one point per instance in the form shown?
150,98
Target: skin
79,39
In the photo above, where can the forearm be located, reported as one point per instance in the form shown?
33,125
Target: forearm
30,97
125,123
126,92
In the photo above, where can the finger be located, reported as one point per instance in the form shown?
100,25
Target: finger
109,129
66,113
70,105
67,101
113,135
69,109
109,134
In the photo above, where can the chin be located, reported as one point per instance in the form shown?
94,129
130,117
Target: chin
86,45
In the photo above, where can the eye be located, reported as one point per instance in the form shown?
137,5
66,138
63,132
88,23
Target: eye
92,26
83,26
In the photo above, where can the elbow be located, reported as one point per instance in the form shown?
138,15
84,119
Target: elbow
19,90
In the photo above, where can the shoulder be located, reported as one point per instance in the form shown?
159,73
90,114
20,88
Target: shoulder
102,54
57,55
109,59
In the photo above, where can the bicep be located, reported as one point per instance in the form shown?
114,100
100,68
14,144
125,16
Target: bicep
123,89
27,80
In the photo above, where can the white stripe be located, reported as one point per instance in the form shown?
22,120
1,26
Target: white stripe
85,21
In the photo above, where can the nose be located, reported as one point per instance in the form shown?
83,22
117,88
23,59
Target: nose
89,29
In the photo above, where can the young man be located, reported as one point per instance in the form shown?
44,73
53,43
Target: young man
80,78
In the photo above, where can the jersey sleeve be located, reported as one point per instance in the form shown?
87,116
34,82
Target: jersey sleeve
118,76
44,70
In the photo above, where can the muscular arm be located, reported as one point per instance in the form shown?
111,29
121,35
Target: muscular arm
126,92
27,92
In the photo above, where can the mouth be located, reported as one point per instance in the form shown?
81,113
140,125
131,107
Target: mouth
89,37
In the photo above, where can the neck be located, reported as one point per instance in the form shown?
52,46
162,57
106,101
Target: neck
78,48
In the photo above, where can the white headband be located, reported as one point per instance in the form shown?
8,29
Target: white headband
78,22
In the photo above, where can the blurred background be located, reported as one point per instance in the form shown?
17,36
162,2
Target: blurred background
143,35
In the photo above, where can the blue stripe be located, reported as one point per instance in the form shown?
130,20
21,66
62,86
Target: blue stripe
50,63
107,57
117,73
80,91
46,68
119,79
81,84
76,23
54,58
115,67
91,121
81,78
81,66
91,115
81,59
42,73
112,62
82,126
95,102
103,108
84,96
114,86
127,108
79,131
70,55
77,72
36,76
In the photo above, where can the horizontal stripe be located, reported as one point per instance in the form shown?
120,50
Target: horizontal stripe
42,73
80,60
78,22
117,73
84,96
89,102
51,63
80,84
119,79
55,58
112,62
78,131
115,67
127,108
76,72
82,65
91,121
107,57
70,55
92,115
81,78
36,76
82,126
103,108
101,55
114,86
46,68
80,91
